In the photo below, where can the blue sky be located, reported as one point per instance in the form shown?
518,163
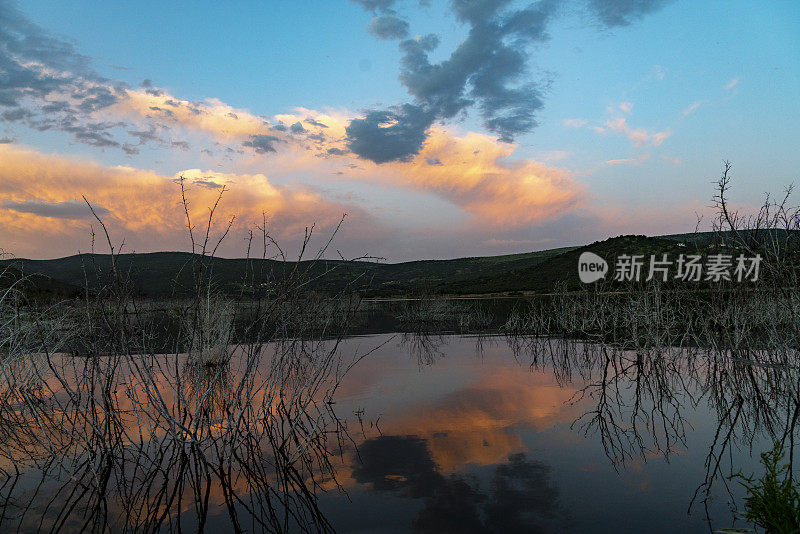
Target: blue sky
625,115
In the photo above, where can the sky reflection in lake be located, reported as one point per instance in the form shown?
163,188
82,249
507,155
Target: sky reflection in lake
473,439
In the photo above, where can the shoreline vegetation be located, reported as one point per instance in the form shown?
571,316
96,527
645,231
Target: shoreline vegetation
165,275
120,412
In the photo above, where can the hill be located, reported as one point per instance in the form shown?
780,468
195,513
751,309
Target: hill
563,268
164,274
36,286
168,274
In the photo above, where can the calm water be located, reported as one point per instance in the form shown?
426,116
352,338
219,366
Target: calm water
444,433
471,438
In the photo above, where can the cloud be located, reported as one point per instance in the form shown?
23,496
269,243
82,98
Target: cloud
472,425
629,161
209,184
95,134
471,171
145,136
619,125
47,84
474,172
70,209
34,64
94,98
484,72
639,136
388,26
7,140
691,109
395,134
731,84
212,116
623,12
144,207
312,122
262,143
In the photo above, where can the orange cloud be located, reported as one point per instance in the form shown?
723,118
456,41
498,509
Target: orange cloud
473,172
142,206
212,116
477,424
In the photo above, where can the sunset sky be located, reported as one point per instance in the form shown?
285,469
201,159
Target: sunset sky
441,128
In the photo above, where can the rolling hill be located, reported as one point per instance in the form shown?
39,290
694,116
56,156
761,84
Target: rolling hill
164,274
168,274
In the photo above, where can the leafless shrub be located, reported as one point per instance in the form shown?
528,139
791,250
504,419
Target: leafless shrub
123,437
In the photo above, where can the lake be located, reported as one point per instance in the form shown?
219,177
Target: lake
424,433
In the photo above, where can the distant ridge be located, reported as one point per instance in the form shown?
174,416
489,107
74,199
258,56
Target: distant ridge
169,274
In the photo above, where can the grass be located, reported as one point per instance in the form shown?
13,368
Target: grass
773,502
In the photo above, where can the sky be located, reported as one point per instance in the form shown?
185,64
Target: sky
437,129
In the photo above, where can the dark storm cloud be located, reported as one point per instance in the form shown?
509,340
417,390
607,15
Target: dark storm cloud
71,209
395,134
623,12
488,71
388,26
262,143
484,71
336,151
297,127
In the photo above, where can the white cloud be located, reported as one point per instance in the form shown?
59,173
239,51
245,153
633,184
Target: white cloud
691,109
575,123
